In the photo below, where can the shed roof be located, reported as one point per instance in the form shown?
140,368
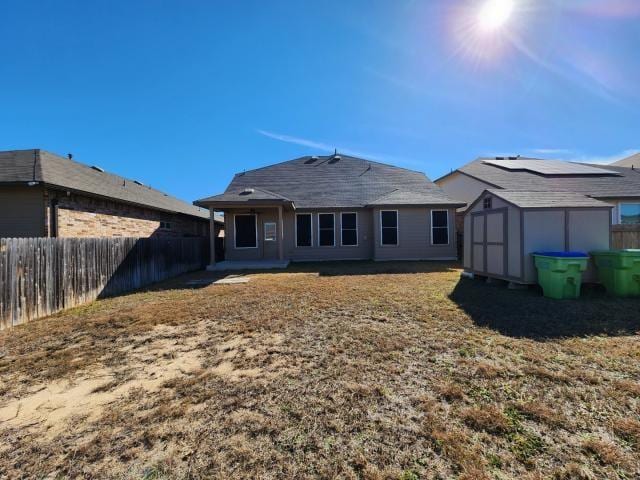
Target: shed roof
332,181
18,166
537,199
615,181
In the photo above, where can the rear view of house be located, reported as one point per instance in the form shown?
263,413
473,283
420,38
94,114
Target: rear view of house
335,207
45,195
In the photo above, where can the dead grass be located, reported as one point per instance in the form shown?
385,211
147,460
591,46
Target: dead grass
367,371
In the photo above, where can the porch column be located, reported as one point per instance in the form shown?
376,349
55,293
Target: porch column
281,234
212,239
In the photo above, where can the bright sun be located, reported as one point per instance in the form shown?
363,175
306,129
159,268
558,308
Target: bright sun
494,14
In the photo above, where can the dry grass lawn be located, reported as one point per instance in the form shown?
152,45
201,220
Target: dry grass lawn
358,370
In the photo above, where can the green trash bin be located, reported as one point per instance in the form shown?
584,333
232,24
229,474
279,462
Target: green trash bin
619,271
560,273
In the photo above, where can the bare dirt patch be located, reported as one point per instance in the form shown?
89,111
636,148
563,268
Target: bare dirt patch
328,371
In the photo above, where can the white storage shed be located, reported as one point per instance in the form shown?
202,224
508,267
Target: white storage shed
502,228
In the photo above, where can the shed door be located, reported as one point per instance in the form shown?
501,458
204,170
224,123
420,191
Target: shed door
489,242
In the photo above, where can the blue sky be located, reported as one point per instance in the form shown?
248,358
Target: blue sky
182,94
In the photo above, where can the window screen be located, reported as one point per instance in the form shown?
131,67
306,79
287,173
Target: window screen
245,231
270,231
326,234
389,227
439,227
303,230
349,226
630,213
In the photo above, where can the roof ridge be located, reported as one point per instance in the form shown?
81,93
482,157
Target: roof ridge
269,166
344,155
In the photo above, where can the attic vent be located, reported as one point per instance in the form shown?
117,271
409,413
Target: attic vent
311,160
499,158
335,159
514,158
138,183
247,191
95,167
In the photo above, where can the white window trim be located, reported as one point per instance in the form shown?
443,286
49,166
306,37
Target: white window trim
334,229
382,244
448,228
341,230
264,230
620,204
310,228
255,221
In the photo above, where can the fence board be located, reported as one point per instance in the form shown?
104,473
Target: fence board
625,236
41,276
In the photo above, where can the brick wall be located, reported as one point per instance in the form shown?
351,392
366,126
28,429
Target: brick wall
80,216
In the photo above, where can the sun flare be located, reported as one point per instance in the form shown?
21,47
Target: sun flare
494,14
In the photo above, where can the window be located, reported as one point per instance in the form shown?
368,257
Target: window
166,225
349,229
303,230
389,227
269,231
440,227
245,232
487,202
326,233
630,213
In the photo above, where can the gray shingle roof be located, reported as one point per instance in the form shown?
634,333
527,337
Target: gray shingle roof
533,199
624,184
18,166
632,161
325,182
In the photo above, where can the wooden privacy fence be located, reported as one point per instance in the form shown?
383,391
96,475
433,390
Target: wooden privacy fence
41,276
625,236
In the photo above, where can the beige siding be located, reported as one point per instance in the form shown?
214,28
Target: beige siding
414,233
543,231
414,236
462,187
22,211
588,231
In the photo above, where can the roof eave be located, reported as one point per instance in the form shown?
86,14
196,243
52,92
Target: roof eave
118,200
204,203
420,204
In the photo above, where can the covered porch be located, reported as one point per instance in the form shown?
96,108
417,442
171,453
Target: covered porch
254,226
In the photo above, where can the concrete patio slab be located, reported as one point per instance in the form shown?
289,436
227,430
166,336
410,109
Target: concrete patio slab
248,265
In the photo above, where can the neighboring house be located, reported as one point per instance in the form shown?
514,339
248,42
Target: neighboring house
630,162
335,208
45,195
614,185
